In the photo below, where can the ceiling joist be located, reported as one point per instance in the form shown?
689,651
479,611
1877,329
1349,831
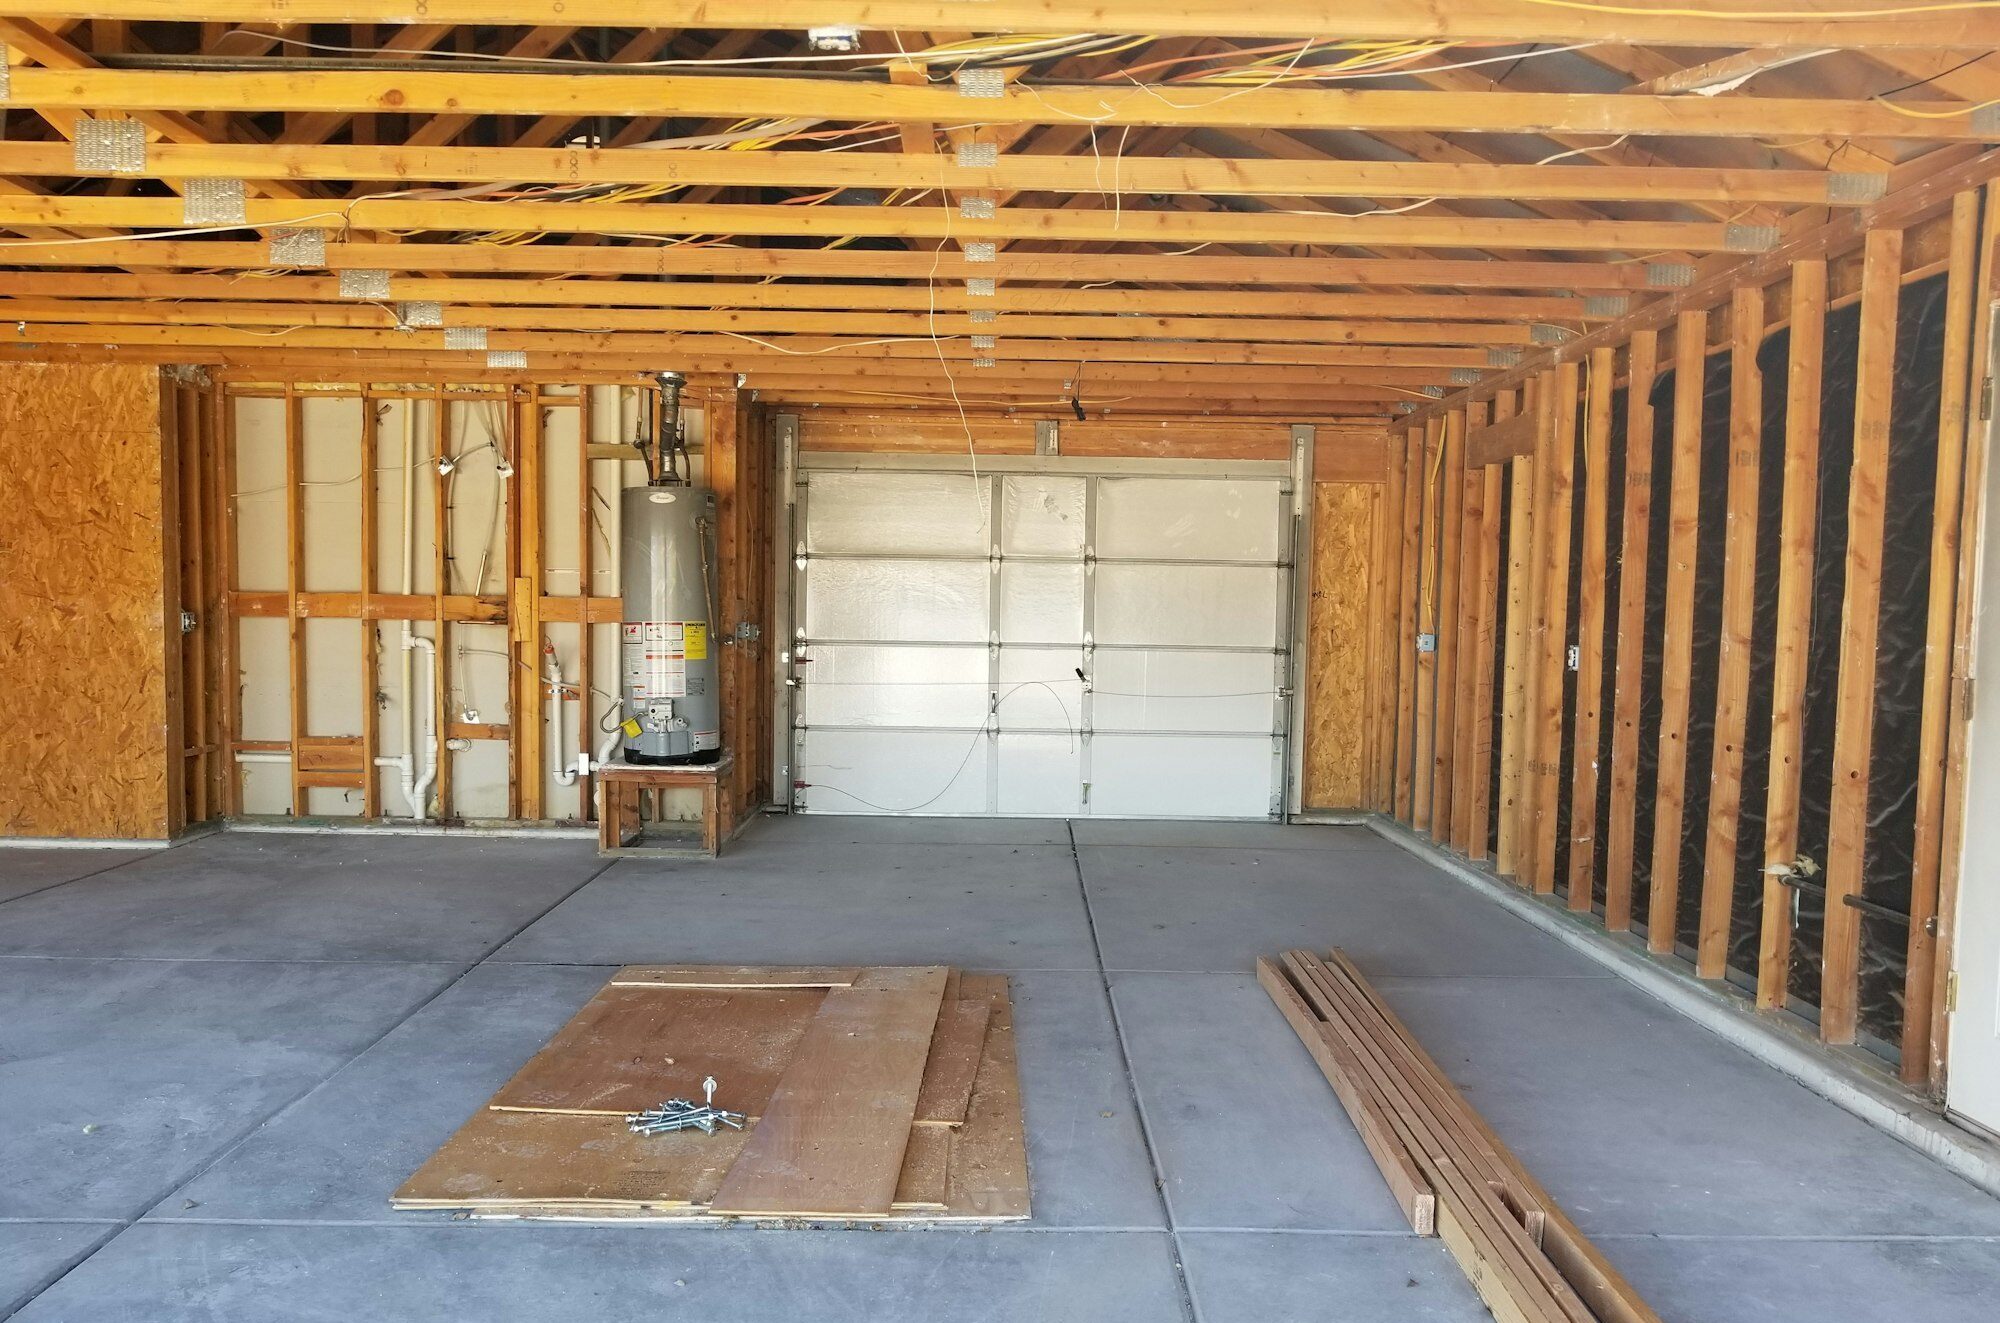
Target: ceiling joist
1809,23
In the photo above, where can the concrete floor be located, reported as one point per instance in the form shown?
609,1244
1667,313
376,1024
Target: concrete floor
217,1061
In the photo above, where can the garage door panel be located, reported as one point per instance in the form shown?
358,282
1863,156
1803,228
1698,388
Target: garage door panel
864,685
1161,689
1039,689
1180,776
943,601
1041,601
1042,515
1187,605
903,514
1191,519
894,771
1040,775
939,679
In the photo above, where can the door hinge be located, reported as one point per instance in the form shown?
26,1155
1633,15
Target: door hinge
1951,992
1985,398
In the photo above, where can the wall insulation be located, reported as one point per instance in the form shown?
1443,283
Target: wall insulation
1672,624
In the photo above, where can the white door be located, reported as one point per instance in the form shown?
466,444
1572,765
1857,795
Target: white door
1973,1085
1043,643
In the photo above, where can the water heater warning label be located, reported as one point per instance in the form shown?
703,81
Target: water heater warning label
656,654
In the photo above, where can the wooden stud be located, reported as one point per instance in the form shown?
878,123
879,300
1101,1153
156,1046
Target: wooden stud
1591,570
1926,862
1388,629
1797,533
586,703
1972,512
1492,479
1406,622
1854,703
1429,467
231,675
441,788
371,634
1445,621
1535,625
1739,603
1552,623
1677,642
531,503
294,556
1466,770
1515,665
1641,363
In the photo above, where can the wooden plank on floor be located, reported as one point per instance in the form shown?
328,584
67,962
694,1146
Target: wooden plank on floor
567,1161
989,1153
1798,527
734,976
1609,1297
954,1062
1860,621
1484,1229
1677,640
1412,1190
1621,818
631,1048
831,1142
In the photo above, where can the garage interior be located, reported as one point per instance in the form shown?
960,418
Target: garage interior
1096,502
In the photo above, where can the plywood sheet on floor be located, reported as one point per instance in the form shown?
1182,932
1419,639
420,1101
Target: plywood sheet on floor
942,1069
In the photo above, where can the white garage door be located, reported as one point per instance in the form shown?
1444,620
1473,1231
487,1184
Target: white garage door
1041,643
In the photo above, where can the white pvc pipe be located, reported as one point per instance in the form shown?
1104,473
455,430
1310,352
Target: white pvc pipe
420,791
563,775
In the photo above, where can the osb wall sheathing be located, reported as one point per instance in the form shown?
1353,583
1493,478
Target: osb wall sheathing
84,546
1337,655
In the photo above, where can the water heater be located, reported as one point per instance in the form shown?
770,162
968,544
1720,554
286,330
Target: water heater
672,705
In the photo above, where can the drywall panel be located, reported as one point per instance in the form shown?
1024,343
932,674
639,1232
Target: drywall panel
84,601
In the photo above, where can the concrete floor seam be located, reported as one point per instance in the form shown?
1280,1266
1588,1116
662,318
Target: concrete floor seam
1188,1307
137,856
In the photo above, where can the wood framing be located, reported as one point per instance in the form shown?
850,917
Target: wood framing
1580,884
1796,538
1854,705
1732,686
1677,643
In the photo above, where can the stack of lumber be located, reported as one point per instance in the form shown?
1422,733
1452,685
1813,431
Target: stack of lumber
1451,1175
869,1094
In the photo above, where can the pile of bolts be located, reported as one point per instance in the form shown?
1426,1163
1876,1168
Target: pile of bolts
680,1114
